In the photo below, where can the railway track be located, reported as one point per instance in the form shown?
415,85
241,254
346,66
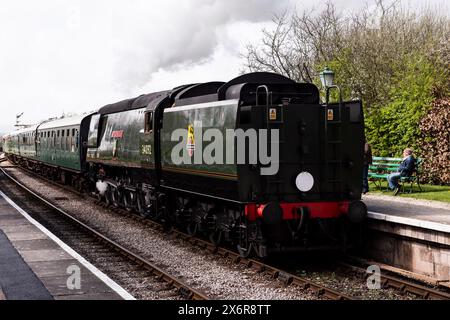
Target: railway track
105,252
286,278
398,282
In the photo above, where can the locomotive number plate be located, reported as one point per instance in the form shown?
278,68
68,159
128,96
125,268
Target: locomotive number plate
146,149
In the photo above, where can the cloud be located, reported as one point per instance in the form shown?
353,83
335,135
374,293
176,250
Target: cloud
176,32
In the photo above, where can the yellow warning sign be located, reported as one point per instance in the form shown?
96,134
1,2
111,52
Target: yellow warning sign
190,140
330,115
273,114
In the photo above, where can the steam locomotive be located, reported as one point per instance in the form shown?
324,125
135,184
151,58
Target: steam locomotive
257,162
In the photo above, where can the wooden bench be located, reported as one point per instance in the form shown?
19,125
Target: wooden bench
382,167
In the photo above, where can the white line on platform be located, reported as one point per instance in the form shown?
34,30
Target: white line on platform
435,226
107,280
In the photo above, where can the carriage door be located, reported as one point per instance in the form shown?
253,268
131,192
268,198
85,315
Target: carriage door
37,143
147,140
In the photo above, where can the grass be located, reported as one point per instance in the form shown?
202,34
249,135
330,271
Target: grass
429,192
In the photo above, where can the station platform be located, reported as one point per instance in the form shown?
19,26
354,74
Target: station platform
431,215
410,234
36,265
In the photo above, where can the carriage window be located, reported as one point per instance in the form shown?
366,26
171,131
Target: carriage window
148,122
62,133
68,132
73,132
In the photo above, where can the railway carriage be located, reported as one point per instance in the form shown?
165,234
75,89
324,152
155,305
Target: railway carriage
20,144
52,148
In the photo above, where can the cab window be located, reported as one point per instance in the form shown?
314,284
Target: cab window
93,131
148,122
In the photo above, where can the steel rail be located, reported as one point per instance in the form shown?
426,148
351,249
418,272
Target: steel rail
183,289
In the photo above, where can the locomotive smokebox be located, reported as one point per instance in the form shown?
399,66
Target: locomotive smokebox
357,211
272,213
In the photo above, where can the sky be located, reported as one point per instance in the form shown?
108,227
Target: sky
73,56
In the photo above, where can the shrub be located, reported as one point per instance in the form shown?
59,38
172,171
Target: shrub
435,142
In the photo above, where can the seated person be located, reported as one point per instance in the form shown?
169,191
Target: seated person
405,169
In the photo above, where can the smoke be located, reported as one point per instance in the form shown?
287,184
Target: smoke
173,33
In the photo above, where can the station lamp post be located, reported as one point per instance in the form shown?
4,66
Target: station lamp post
327,79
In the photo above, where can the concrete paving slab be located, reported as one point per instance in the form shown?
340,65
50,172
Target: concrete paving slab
25,245
13,222
58,285
45,255
11,216
55,268
408,209
20,236
23,228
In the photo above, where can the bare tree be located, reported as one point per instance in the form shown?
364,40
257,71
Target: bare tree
367,47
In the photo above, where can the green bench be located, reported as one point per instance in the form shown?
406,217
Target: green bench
381,167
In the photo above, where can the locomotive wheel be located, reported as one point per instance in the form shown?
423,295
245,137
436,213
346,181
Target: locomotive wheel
245,252
140,202
216,237
192,228
261,250
197,218
108,196
116,197
129,199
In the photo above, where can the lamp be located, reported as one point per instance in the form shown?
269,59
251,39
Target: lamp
327,77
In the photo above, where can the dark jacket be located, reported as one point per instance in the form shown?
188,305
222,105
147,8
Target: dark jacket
407,166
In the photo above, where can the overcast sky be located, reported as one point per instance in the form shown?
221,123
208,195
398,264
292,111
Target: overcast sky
77,55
